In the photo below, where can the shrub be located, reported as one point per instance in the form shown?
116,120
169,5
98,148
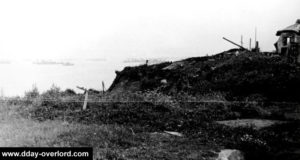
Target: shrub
33,93
53,93
52,97
69,92
158,98
32,96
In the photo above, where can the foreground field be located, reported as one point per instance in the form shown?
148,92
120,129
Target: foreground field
137,130
110,141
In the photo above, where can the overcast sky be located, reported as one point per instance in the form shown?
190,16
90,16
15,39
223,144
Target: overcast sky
137,28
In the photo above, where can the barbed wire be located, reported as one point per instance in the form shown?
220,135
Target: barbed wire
143,101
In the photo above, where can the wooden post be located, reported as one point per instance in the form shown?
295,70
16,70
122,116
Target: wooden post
250,44
86,92
85,100
242,43
103,87
234,43
257,46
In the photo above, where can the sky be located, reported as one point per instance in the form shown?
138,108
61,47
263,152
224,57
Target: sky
62,29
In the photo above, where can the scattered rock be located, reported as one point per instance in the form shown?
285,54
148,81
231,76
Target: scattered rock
230,154
255,123
194,155
174,133
65,123
292,116
159,135
163,81
174,65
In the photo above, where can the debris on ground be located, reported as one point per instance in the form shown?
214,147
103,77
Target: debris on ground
174,133
255,123
230,154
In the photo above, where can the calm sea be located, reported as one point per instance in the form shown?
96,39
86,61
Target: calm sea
18,76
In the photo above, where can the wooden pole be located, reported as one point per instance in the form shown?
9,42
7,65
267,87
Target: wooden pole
85,100
256,46
103,87
242,41
86,92
250,44
234,43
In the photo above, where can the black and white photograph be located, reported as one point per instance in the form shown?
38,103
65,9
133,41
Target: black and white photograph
150,80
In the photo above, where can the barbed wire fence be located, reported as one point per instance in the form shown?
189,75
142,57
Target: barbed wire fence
84,99
107,100
4,99
289,110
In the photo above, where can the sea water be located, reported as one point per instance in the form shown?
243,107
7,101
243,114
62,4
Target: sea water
18,76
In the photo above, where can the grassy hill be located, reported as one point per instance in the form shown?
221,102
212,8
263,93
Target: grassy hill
237,74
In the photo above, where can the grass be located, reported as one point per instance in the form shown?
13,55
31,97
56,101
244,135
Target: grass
19,131
110,141
122,130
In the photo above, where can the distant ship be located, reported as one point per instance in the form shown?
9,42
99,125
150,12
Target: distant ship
44,62
47,62
5,62
67,64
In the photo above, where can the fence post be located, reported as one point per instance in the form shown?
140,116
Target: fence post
85,100
103,87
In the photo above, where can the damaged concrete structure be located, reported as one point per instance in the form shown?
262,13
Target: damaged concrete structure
288,44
